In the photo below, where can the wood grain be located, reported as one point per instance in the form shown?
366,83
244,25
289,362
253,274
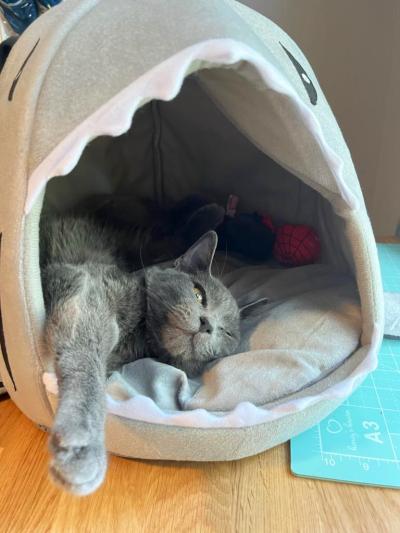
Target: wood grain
258,494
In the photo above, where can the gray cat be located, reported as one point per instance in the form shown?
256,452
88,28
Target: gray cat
101,314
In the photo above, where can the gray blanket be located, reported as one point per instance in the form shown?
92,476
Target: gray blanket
309,325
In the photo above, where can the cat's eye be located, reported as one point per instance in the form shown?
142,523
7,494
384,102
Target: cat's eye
198,294
227,333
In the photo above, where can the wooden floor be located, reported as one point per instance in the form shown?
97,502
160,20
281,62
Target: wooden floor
253,495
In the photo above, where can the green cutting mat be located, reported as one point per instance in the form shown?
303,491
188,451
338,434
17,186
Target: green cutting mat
360,441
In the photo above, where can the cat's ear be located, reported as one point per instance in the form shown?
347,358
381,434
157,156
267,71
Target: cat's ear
199,257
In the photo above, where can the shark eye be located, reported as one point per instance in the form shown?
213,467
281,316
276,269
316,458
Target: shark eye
308,84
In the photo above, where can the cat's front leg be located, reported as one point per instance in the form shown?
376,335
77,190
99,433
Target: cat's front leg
82,332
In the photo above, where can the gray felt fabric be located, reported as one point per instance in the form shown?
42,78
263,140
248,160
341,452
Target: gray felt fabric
55,94
310,324
392,314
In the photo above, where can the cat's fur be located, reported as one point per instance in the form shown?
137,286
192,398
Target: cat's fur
101,314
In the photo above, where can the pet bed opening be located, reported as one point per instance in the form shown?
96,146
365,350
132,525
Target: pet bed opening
192,144
189,145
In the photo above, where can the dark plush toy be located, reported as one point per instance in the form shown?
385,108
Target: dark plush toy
243,234
166,232
193,216
251,236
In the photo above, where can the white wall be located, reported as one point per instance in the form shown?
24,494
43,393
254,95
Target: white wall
354,47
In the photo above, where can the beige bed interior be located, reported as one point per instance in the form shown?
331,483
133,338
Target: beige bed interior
189,145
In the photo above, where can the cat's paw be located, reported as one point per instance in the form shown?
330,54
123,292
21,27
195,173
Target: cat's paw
78,462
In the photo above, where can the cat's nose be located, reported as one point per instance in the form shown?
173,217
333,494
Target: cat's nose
205,326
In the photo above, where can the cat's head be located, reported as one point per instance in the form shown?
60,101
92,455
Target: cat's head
192,318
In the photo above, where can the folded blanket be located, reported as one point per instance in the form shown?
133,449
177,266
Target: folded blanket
310,324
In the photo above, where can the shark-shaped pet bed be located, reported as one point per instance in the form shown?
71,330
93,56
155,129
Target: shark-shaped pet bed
158,100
